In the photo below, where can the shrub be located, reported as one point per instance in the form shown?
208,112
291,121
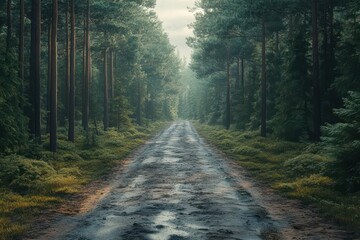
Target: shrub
306,165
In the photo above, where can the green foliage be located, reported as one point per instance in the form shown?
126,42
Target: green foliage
306,165
343,142
21,174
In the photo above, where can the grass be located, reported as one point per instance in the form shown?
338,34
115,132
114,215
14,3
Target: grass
38,179
296,170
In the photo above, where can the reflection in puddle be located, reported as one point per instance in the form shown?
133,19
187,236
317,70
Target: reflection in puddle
168,228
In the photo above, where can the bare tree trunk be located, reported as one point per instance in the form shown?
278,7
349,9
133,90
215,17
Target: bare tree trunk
315,74
21,42
106,91
34,90
263,81
53,112
67,67
71,133
48,94
228,110
242,90
86,80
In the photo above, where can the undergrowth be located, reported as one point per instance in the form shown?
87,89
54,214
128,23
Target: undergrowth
296,170
37,179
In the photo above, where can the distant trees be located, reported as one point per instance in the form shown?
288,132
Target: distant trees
297,61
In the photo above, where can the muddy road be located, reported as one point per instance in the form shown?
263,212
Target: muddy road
177,187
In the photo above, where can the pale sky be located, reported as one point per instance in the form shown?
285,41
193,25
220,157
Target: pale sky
176,17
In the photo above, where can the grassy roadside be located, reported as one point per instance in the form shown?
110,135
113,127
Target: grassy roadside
38,179
296,170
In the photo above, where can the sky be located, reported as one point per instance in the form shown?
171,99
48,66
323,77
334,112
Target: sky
176,17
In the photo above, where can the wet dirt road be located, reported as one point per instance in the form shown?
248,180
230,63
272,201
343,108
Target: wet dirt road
176,187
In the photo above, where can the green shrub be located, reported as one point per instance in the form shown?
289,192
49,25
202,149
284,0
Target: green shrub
245,150
306,165
22,174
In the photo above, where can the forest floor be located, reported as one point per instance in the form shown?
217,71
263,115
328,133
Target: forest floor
178,187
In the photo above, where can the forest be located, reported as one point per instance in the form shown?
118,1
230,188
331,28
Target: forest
272,83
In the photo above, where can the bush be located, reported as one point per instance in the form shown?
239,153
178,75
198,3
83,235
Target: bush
306,165
245,150
21,174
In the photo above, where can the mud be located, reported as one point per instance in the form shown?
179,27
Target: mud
177,187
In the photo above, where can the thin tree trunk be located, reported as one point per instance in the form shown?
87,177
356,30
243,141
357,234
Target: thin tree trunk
111,85
67,66
71,133
242,84
34,90
53,112
106,91
228,110
21,42
48,94
263,81
315,73
87,76
238,72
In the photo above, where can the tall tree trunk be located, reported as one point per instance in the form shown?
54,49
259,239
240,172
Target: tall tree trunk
48,94
86,80
263,81
21,42
315,72
34,89
67,67
138,108
9,26
53,111
111,75
71,133
106,91
242,82
238,72
228,110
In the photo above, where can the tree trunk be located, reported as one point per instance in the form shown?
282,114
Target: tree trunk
21,42
228,110
242,82
106,91
48,94
263,81
111,75
315,73
53,111
34,89
67,67
86,80
71,133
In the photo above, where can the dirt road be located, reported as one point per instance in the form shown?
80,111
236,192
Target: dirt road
177,187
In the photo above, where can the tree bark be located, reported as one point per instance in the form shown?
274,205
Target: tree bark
53,111
71,133
263,81
86,80
34,89
21,42
67,67
242,82
315,72
48,93
106,91
228,110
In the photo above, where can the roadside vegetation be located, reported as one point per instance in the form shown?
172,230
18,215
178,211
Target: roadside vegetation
297,170
38,180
